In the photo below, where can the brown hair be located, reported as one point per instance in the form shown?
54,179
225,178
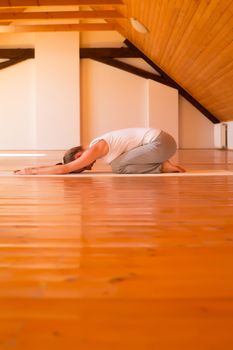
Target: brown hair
69,156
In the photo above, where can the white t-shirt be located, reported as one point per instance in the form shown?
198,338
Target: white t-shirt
123,140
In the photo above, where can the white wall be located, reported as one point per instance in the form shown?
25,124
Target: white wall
40,100
192,128
163,108
111,99
40,97
195,130
114,99
17,112
17,40
230,135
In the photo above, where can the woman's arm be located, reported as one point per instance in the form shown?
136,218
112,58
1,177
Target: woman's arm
89,156
42,170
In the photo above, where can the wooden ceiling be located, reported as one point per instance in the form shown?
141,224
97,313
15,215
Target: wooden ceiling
191,40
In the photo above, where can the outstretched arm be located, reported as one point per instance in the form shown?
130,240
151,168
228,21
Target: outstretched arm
89,156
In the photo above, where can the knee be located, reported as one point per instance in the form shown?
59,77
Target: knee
127,169
119,169
116,168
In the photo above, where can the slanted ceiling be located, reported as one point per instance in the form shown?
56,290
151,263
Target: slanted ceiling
190,40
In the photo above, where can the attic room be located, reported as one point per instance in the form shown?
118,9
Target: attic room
96,258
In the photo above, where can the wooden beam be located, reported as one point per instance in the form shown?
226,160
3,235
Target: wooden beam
15,56
15,9
95,53
174,84
27,3
5,23
59,15
131,69
12,62
16,53
82,27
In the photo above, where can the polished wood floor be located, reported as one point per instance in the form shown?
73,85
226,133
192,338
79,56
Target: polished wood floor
117,263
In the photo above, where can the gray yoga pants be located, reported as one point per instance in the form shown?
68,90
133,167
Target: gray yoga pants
146,159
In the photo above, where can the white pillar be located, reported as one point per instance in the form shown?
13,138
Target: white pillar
57,90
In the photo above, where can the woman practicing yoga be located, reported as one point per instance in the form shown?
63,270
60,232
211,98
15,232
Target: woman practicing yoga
128,151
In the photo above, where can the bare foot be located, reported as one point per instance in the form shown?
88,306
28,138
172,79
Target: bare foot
168,167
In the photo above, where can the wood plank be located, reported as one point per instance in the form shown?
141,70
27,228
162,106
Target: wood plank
5,23
61,27
192,42
14,9
27,3
59,15
212,15
120,263
80,324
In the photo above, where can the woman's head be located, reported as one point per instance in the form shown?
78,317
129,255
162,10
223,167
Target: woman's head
72,154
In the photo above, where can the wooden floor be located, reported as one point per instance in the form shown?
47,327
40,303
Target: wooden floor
118,263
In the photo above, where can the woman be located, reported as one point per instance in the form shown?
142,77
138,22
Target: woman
128,151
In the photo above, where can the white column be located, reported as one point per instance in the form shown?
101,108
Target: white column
57,90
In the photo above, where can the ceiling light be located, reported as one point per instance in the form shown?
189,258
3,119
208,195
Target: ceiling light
139,27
